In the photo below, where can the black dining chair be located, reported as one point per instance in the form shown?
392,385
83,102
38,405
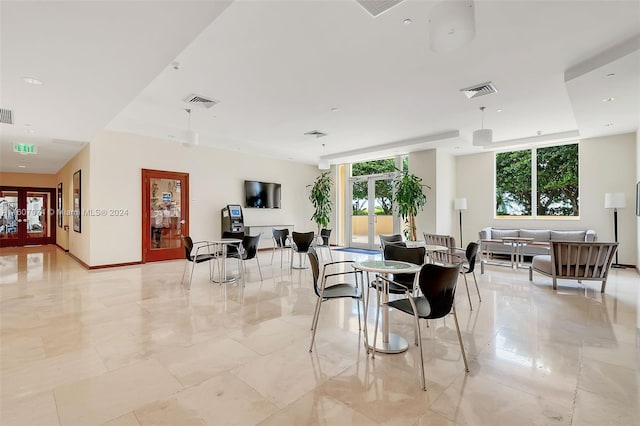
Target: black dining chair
281,243
248,250
301,242
415,255
389,239
438,286
469,266
204,252
336,290
323,241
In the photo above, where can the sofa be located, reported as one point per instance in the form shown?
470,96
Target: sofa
492,243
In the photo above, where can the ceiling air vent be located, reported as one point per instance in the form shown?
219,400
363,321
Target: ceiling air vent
6,116
200,101
316,133
479,90
376,7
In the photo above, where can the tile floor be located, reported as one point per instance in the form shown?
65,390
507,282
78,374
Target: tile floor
131,346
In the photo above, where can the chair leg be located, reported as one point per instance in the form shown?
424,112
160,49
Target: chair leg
315,314
464,355
467,286
477,288
272,253
259,270
375,333
424,381
191,275
184,270
359,320
315,326
365,308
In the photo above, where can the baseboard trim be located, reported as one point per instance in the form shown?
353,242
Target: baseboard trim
115,265
111,265
77,259
62,248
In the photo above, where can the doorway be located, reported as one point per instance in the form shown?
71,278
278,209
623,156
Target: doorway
27,216
371,212
165,214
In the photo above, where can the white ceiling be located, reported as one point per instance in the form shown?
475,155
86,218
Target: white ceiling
278,68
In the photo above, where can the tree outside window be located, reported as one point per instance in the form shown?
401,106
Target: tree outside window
556,176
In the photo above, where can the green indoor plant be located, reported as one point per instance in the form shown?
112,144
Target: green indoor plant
320,197
409,199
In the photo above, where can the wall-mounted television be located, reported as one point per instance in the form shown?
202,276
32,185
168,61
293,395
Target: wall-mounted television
261,195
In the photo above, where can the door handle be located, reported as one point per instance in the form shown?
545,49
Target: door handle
183,221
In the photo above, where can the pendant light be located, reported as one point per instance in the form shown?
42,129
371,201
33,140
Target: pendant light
191,136
482,137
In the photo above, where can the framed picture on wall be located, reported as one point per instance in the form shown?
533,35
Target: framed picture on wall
77,201
60,212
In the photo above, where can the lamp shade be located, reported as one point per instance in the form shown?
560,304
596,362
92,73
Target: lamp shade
460,204
323,164
614,200
192,137
482,137
452,25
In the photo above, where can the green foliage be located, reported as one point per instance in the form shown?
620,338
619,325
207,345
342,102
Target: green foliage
384,189
513,183
409,199
320,197
557,176
557,182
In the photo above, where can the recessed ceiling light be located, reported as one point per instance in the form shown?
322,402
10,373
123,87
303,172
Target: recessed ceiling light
335,109
29,131
608,99
498,110
456,147
539,132
407,21
31,80
611,74
22,166
608,124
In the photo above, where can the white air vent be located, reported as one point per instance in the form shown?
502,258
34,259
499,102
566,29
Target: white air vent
376,7
316,133
479,90
200,101
6,116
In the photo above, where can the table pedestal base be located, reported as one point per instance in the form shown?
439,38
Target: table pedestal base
227,279
395,345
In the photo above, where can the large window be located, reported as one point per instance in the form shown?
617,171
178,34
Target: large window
538,182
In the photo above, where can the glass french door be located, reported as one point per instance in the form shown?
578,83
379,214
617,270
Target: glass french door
165,218
27,216
371,211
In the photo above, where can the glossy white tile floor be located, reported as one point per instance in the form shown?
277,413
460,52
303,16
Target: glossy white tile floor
130,346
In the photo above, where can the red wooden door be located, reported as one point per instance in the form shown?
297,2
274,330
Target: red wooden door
165,214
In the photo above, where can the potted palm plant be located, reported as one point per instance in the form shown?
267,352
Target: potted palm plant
320,197
409,199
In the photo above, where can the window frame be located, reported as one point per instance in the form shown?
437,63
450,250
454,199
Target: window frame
534,184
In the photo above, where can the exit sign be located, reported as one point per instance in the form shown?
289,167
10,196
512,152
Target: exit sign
25,148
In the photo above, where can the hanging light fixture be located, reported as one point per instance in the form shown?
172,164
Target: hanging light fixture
191,136
482,137
452,25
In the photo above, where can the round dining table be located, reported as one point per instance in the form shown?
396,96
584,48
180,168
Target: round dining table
224,243
389,343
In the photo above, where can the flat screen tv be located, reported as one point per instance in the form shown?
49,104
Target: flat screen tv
261,195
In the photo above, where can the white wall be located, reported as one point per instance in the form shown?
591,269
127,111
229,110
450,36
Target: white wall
78,244
423,164
606,165
445,193
216,178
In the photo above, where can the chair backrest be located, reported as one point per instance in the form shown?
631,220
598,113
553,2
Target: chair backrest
438,285
302,240
250,246
581,260
440,240
315,269
187,242
325,234
413,255
280,236
389,239
471,253
232,249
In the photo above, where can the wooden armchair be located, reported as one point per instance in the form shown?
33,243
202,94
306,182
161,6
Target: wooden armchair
575,261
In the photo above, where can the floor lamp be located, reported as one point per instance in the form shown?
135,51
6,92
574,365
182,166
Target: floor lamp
615,201
460,204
